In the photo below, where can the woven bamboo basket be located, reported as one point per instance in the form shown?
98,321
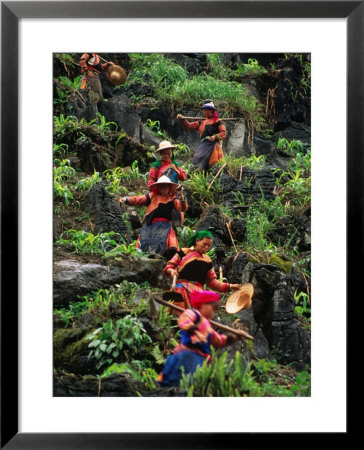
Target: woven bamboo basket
116,75
240,299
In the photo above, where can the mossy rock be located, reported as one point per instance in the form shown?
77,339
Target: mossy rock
286,266
70,351
274,260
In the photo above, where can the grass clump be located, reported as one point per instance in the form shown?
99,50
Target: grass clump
172,83
234,379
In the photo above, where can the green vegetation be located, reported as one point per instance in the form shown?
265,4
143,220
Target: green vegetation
98,303
61,174
145,375
83,242
232,379
117,341
172,83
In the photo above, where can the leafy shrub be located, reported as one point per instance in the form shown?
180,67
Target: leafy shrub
155,127
62,173
252,67
85,184
117,342
65,126
124,249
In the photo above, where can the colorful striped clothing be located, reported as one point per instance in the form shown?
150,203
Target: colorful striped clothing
191,321
91,68
207,153
197,336
160,168
157,235
194,270
158,206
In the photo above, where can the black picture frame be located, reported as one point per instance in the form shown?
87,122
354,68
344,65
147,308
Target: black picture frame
11,12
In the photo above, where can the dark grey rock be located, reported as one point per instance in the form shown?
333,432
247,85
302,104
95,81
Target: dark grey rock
72,278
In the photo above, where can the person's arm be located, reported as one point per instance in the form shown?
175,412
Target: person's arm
221,135
222,340
180,205
171,266
105,66
213,283
188,125
187,322
153,176
136,200
181,174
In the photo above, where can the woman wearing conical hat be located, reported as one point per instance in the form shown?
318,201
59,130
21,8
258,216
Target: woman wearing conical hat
169,167
212,131
166,165
157,234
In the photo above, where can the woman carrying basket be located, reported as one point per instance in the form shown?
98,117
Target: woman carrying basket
211,130
193,269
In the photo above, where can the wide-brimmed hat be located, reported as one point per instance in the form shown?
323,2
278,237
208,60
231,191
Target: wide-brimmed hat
209,104
116,75
164,180
240,299
164,145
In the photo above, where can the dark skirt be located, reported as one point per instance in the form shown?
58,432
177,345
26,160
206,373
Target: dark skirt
172,373
154,237
94,88
202,155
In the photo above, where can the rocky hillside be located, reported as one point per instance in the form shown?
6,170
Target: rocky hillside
110,337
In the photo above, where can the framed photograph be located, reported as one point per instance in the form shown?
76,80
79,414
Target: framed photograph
31,34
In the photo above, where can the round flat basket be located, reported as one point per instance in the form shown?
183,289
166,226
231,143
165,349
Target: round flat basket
240,299
116,75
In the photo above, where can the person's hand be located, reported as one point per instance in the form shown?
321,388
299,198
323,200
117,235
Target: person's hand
234,287
179,116
231,338
212,138
122,200
173,167
173,273
198,337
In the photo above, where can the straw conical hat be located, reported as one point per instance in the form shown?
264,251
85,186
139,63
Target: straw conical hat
164,145
164,180
240,299
116,75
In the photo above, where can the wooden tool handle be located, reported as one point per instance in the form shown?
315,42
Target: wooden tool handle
204,118
174,283
240,333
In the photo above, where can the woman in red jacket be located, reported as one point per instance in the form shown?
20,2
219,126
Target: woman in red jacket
157,234
90,69
212,131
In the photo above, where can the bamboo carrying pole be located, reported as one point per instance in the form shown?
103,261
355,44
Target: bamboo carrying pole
204,118
240,333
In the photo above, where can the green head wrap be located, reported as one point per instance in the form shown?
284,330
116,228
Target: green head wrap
199,235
